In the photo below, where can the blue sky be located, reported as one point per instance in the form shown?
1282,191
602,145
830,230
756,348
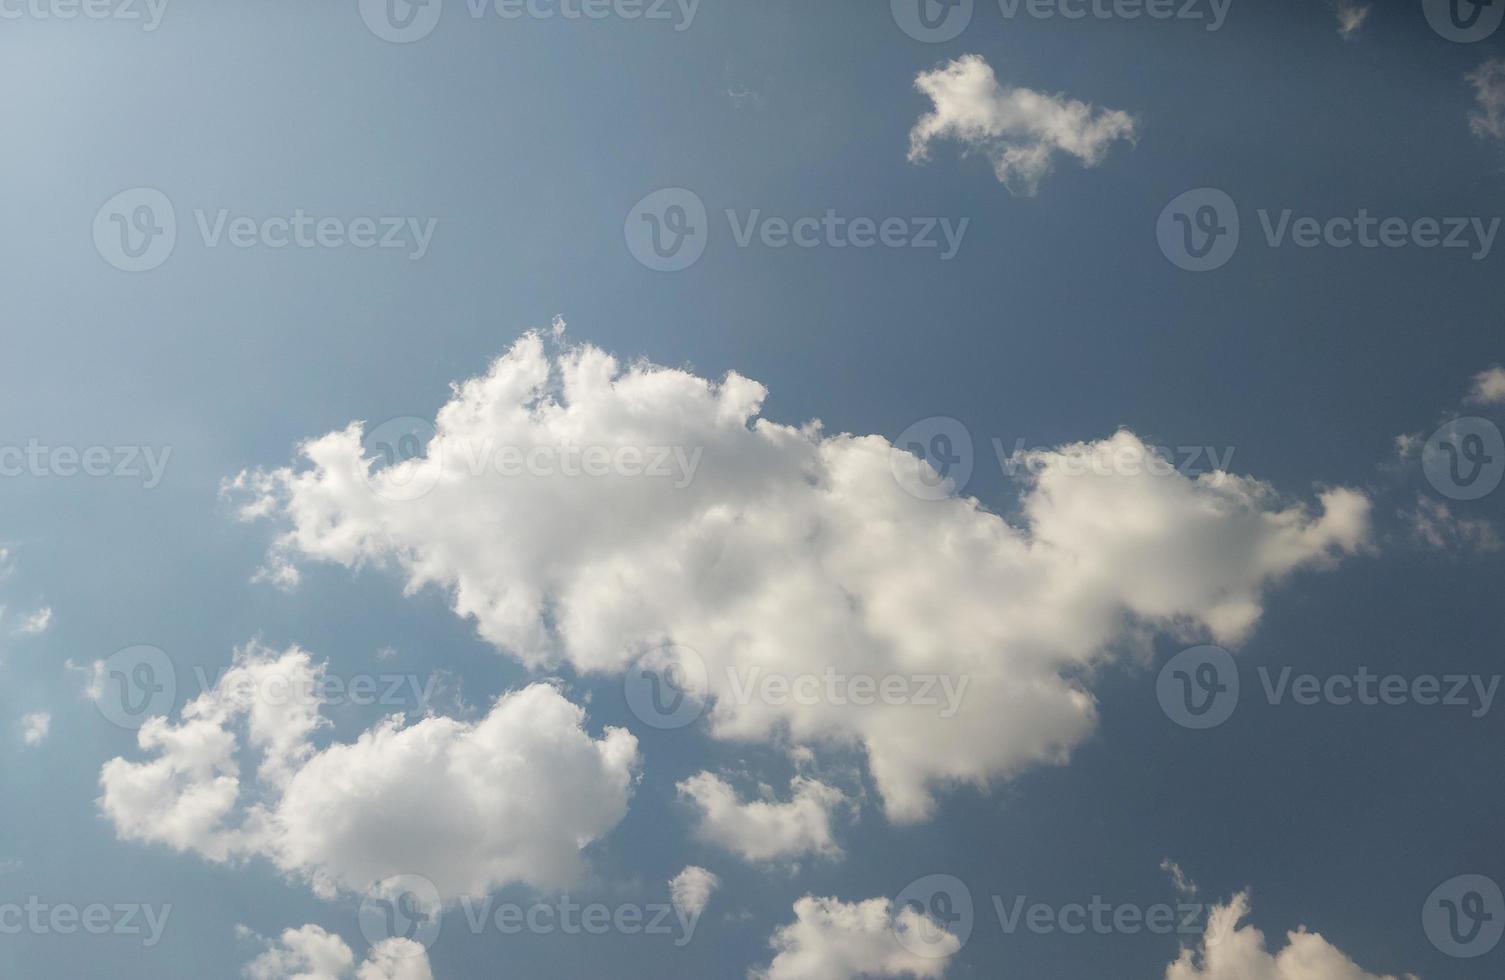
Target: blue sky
510,160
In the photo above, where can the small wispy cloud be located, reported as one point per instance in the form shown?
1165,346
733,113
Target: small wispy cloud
35,726
1019,130
1488,120
37,622
1351,16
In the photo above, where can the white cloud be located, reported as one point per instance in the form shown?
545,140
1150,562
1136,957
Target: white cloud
691,889
1488,121
310,953
1019,130
1432,523
793,551
471,806
1489,387
35,726
37,622
834,940
1351,16
1238,953
763,830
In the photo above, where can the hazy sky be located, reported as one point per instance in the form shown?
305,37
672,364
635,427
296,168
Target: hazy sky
1176,656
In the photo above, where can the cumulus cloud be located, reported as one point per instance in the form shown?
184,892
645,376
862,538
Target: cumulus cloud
764,830
1489,387
1488,121
835,940
310,953
1351,16
1019,130
792,551
1239,952
471,806
691,889
35,726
